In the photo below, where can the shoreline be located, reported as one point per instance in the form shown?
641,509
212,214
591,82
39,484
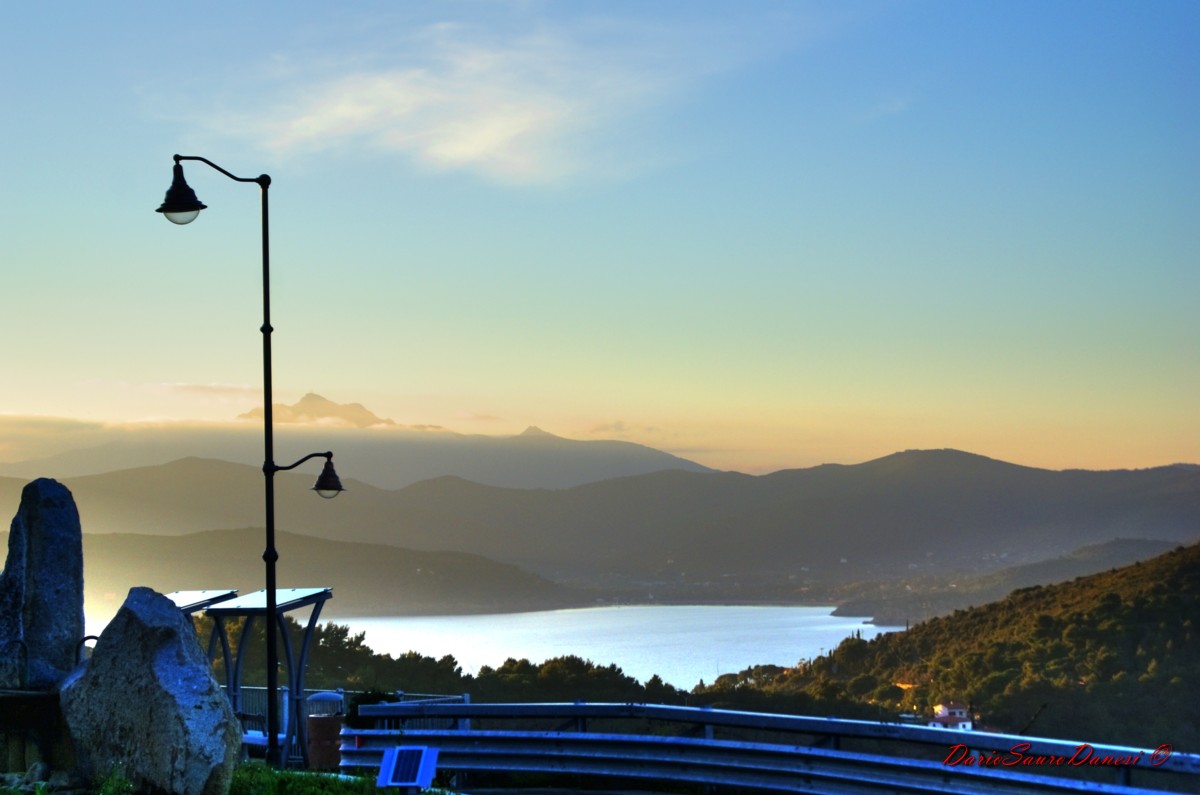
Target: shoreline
336,611
332,614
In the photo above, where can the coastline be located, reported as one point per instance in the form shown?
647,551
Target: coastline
683,644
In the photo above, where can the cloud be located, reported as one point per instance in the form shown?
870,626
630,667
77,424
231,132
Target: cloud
425,427
312,409
477,417
219,391
622,429
530,102
23,437
893,106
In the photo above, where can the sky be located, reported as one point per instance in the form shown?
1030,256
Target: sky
758,234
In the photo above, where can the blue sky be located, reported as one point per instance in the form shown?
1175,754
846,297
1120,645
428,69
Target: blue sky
760,234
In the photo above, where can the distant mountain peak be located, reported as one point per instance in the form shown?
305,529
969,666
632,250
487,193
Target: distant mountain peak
313,409
943,455
534,432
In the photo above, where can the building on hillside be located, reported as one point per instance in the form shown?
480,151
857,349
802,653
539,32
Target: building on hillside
951,715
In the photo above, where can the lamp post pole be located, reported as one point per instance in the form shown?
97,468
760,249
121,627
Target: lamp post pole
181,207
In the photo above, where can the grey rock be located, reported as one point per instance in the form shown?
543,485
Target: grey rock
41,589
60,780
146,704
38,771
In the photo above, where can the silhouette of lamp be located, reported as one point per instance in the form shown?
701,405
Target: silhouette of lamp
180,206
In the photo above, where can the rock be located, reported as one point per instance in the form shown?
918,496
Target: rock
147,705
38,771
60,780
41,589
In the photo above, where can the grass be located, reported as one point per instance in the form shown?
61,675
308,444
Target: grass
252,778
256,778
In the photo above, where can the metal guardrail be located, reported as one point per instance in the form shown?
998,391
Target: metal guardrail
817,765
726,763
253,704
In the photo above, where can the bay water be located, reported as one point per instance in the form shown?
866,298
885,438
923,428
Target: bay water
682,644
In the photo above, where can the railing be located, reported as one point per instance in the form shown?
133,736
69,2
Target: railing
253,705
806,754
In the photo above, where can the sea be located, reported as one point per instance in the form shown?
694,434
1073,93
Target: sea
682,644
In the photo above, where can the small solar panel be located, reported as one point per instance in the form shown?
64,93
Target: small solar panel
408,766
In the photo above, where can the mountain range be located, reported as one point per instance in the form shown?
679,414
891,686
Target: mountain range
907,600
367,579
366,448
916,512
535,519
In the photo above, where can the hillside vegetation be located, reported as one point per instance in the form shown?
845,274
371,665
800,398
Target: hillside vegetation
907,600
1112,657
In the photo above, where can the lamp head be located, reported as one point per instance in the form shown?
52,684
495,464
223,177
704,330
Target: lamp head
328,484
180,206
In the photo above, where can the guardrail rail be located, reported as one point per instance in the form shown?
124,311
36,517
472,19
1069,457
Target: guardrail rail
803,754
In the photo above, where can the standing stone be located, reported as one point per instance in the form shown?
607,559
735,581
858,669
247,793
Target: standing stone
41,589
147,705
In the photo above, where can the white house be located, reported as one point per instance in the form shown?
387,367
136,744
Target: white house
951,715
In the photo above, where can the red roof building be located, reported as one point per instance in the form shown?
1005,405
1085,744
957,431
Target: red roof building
951,715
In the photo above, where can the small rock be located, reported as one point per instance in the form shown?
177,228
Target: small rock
38,771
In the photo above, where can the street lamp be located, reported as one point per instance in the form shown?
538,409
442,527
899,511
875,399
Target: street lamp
180,206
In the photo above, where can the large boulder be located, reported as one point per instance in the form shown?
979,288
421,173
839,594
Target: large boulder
41,589
147,705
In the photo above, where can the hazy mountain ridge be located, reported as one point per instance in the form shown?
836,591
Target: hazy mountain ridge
909,600
687,532
385,456
313,408
874,515
367,579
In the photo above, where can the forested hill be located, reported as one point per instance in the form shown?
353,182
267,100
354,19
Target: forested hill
1112,657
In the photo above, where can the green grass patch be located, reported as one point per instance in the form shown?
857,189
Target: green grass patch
256,778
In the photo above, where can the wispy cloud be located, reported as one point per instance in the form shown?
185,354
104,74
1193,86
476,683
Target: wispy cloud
479,417
892,106
623,430
219,391
24,437
523,104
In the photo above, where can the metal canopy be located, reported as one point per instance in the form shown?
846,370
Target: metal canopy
250,607
191,601
286,600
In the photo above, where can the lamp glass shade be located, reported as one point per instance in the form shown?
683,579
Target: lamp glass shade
328,484
182,218
180,205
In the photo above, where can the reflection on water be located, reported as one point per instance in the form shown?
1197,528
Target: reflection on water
682,644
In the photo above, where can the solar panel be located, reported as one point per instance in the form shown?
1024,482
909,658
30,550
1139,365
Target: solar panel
407,766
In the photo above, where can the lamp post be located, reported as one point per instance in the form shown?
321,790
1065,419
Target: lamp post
181,207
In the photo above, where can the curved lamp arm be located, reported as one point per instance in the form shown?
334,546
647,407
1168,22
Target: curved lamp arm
261,179
327,456
328,484
180,206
